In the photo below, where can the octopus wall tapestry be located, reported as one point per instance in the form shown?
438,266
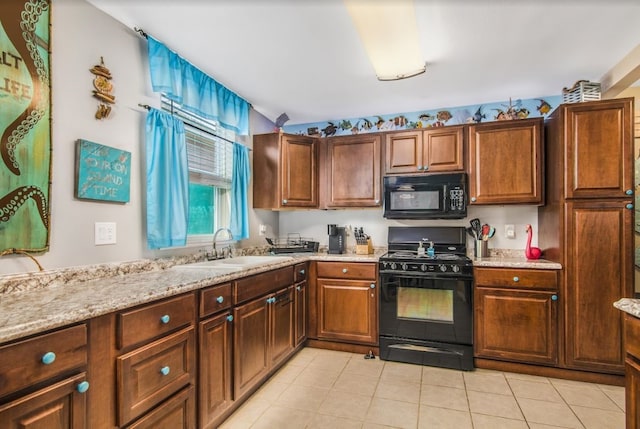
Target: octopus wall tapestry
25,126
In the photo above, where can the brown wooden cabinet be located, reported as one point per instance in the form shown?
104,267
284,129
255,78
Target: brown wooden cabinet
506,162
347,302
43,381
285,171
215,363
587,226
432,150
632,371
598,272
598,149
516,315
176,413
301,272
351,171
58,406
263,338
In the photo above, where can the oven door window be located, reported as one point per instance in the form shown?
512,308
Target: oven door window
425,304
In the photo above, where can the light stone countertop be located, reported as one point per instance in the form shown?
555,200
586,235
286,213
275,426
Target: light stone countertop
31,311
629,305
515,262
65,301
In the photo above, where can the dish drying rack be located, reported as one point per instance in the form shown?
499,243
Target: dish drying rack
292,243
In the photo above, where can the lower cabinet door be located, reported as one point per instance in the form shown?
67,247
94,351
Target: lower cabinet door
348,310
215,368
60,406
177,412
282,327
632,392
516,325
300,313
250,344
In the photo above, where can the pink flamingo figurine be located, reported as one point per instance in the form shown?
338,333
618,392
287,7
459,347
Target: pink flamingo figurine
531,252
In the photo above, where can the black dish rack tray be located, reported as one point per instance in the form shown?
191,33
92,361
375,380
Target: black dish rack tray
293,243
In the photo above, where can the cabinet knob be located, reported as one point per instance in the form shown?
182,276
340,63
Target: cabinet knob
473,199
301,272
220,299
419,167
82,387
344,270
629,192
298,288
377,201
629,206
271,300
165,319
516,279
48,358
165,370
372,285
284,201
425,168
554,297
229,318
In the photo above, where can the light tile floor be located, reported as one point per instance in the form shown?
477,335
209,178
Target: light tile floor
328,389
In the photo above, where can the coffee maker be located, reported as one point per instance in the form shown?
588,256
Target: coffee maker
337,239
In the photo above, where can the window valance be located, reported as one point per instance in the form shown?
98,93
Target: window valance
197,92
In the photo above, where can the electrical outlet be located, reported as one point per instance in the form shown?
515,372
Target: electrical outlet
262,230
510,231
105,233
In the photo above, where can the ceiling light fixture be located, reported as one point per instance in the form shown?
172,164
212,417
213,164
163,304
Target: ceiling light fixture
389,32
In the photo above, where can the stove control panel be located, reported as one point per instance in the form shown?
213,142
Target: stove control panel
426,268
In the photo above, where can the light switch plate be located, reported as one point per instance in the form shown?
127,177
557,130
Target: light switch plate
105,233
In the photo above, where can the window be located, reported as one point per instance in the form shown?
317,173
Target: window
210,157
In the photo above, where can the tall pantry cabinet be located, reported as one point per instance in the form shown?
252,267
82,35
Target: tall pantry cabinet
586,225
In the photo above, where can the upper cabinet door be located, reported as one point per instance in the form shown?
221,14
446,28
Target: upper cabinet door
599,157
403,152
285,171
425,151
443,149
299,172
505,162
352,171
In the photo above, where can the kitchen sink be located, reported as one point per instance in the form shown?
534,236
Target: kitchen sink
230,265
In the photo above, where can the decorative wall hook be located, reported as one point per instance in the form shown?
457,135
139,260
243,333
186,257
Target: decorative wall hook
103,88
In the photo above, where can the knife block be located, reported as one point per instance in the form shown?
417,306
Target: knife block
364,249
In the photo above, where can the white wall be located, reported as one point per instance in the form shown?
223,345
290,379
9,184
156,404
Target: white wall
313,223
81,34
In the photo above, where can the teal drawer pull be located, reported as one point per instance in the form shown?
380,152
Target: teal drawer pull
165,319
229,318
554,297
629,206
82,387
165,370
516,279
48,358
629,192
302,272
220,299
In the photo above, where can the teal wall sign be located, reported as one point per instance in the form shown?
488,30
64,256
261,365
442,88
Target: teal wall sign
102,172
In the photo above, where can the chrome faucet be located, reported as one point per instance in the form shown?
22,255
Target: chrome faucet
214,253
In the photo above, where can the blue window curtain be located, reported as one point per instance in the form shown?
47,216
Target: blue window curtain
197,92
240,192
167,181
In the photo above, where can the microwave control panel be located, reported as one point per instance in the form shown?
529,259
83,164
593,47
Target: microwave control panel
456,198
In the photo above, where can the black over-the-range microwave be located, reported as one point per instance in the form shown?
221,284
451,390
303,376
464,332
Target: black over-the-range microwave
433,196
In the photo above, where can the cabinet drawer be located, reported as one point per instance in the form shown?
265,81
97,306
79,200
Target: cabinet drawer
179,412
300,272
215,299
347,270
150,374
262,284
23,363
517,278
151,321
